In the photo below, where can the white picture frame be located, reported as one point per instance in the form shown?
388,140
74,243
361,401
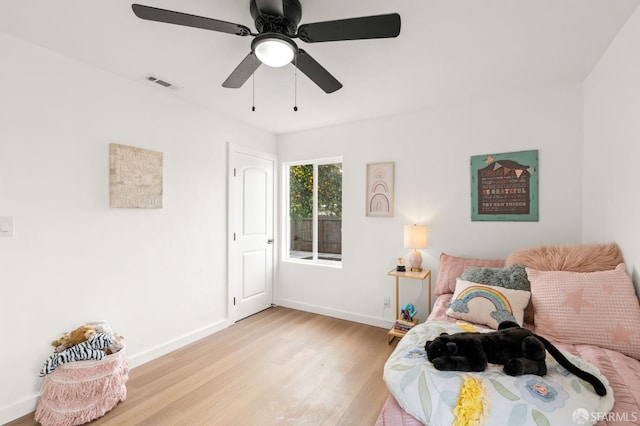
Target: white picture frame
380,180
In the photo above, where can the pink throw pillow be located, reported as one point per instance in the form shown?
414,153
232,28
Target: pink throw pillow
567,257
576,257
452,266
595,308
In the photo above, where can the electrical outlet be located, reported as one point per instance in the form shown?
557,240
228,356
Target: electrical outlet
387,302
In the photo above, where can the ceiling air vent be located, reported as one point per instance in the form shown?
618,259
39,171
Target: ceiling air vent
162,83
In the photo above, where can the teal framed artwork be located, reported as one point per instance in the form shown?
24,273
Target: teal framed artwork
504,187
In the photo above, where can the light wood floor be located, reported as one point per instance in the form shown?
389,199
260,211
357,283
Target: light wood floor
278,367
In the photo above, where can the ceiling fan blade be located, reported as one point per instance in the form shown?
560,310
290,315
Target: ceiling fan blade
379,26
242,72
270,7
316,72
170,17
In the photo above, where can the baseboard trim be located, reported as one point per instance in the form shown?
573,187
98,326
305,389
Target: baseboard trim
349,316
137,360
19,409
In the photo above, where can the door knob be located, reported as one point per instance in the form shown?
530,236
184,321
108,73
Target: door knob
270,241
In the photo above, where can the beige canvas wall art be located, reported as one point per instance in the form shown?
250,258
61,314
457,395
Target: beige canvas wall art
135,177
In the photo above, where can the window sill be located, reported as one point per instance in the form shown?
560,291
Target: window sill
325,263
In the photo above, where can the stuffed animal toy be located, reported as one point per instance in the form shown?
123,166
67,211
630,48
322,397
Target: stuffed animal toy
408,312
117,341
518,349
72,338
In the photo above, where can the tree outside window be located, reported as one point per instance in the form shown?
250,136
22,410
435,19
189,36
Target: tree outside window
315,211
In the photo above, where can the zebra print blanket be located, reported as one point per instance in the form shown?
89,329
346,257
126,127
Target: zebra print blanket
91,349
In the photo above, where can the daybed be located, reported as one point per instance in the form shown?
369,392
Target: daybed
582,300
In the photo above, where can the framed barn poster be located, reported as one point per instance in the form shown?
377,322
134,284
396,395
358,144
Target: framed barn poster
504,187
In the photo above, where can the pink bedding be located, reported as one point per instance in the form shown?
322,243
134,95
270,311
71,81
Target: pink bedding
623,373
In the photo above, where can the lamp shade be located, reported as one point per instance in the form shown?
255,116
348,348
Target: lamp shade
415,236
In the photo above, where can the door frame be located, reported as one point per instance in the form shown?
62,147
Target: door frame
232,150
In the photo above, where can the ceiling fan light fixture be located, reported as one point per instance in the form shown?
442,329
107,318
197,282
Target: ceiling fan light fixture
277,24
273,49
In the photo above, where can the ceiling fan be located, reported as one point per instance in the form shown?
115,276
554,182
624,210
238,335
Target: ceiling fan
277,25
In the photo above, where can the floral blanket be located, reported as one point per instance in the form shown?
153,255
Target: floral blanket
490,397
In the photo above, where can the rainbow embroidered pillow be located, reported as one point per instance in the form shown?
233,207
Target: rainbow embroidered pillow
486,304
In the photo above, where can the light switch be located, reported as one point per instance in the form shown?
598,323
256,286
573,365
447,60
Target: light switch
6,226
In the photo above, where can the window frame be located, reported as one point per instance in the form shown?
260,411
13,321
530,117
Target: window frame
286,219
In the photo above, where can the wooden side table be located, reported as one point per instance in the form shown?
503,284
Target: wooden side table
422,275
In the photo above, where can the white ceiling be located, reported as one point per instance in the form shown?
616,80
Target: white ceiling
446,49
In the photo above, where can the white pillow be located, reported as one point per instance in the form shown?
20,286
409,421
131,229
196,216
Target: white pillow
486,304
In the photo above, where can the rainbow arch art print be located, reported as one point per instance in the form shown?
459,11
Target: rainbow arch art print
380,189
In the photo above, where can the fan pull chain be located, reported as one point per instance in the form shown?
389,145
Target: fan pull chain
295,85
253,86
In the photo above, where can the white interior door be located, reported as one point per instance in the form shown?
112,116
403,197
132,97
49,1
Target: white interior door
251,219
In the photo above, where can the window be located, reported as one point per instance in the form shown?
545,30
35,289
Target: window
313,211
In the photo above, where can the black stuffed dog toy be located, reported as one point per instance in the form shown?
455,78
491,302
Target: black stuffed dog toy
518,349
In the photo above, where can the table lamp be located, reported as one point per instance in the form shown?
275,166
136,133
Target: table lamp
415,237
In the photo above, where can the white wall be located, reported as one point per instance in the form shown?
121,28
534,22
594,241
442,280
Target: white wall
431,150
158,276
611,208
